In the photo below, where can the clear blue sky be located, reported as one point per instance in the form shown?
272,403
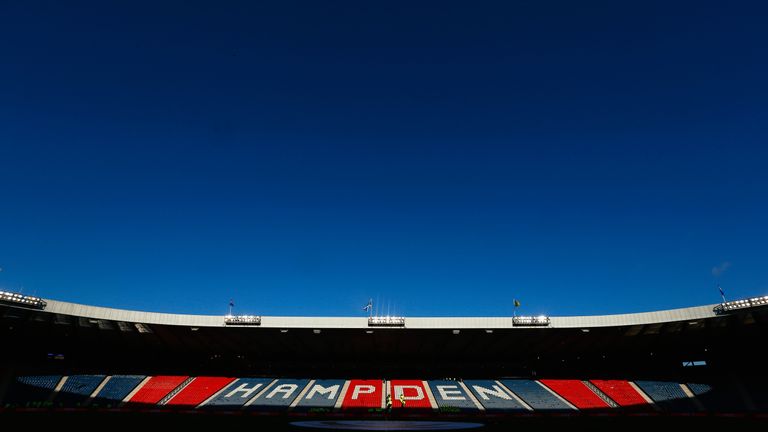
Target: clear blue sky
443,158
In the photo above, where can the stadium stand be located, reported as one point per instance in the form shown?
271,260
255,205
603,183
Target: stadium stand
170,395
198,390
279,396
662,369
600,394
494,397
115,389
719,396
451,396
238,393
364,394
77,389
156,389
321,396
669,396
415,395
535,395
32,391
575,392
622,393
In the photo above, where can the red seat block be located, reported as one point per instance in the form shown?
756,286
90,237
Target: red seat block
156,388
577,393
413,391
620,392
363,394
200,389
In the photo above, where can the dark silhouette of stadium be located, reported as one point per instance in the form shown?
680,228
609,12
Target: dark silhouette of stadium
65,362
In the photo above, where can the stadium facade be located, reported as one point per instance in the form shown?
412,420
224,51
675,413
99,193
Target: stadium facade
698,361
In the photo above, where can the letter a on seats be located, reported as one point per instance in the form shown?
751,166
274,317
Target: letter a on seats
286,389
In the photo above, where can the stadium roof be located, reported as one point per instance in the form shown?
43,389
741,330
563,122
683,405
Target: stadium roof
95,312
655,343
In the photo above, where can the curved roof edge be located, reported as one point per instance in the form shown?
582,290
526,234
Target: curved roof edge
642,318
